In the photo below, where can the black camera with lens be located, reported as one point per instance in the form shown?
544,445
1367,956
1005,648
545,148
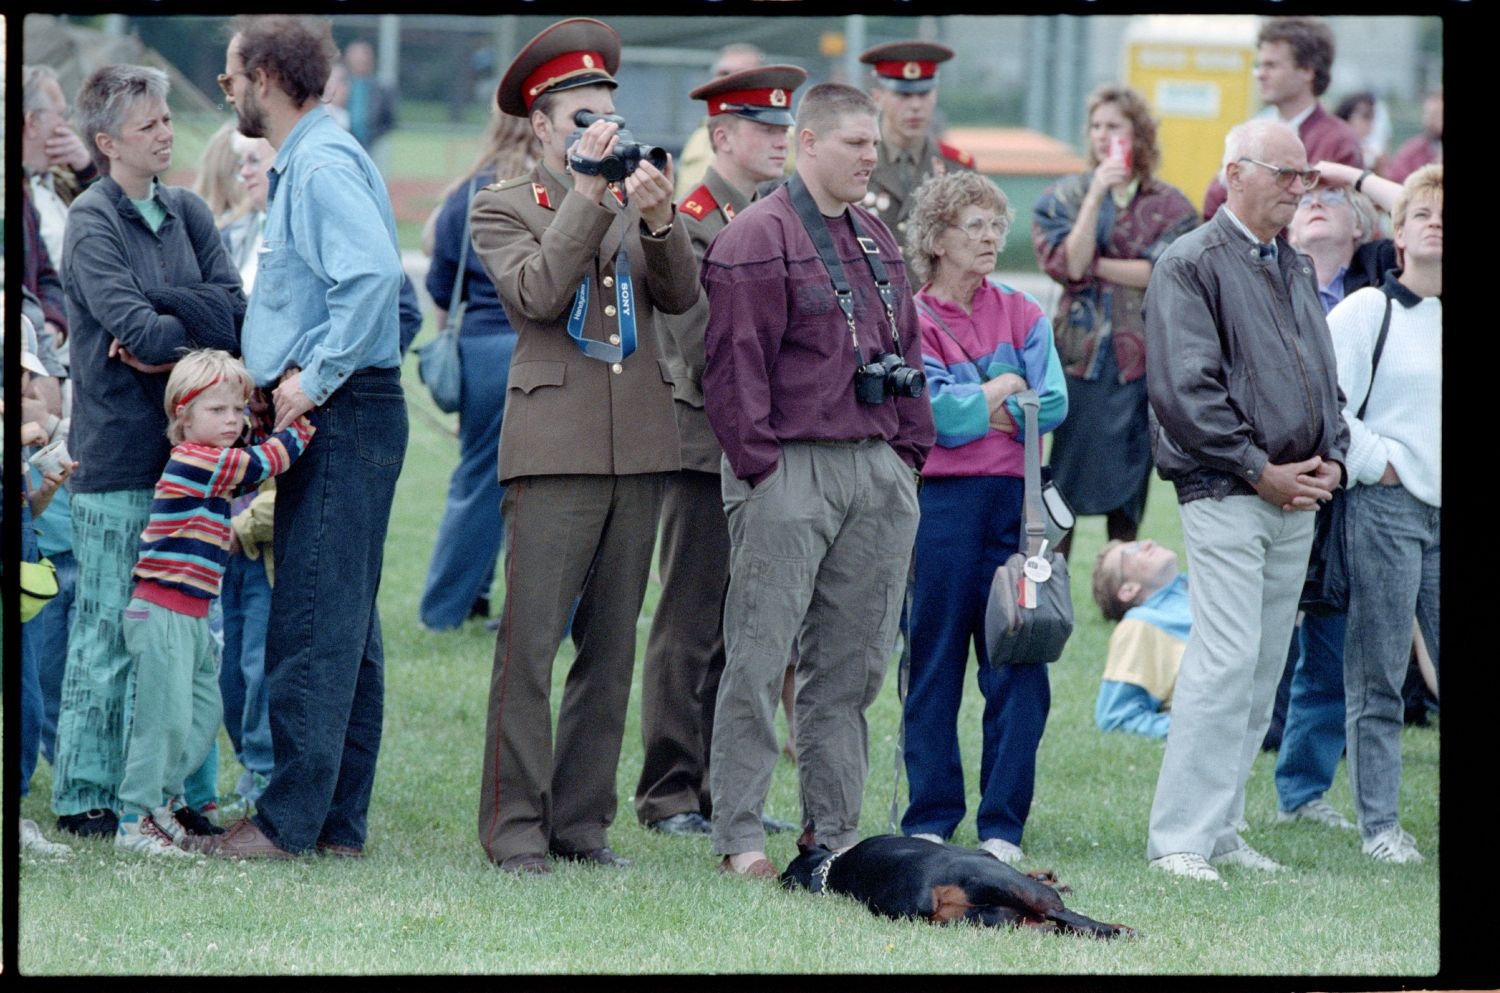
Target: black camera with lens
887,375
626,157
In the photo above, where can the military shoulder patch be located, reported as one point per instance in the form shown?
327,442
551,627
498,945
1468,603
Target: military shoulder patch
699,203
958,155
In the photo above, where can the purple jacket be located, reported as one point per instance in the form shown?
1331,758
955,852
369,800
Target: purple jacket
1324,136
780,362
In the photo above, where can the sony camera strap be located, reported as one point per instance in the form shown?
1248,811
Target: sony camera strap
817,229
624,311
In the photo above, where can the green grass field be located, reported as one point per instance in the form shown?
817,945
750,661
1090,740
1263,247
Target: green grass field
426,901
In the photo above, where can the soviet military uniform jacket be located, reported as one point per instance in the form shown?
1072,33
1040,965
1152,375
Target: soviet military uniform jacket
889,196
566,413
705,211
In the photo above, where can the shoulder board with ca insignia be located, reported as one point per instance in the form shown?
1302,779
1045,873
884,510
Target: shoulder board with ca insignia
958,155
699,203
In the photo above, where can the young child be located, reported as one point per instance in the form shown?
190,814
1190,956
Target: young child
175,709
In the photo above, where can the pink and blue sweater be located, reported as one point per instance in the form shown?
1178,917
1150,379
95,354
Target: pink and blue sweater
1007,332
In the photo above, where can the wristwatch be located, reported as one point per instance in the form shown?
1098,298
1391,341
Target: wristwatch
1361,181
660,232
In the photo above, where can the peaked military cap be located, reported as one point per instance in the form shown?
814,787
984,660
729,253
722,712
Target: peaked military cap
761,94
579,51
906,66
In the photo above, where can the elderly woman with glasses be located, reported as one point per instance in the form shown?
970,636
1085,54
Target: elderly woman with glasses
1098,235
982,342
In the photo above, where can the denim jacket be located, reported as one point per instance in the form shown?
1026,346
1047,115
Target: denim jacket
329,275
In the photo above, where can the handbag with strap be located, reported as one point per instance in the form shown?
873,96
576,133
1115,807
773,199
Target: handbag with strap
1030,612
438,363
1326,589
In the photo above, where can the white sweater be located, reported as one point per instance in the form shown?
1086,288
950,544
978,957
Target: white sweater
1403,424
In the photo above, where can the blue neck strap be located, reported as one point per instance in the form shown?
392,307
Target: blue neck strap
624,309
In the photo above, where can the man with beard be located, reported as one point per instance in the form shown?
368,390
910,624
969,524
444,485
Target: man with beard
322,334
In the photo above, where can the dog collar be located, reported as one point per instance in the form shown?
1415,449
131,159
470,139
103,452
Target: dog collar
821,872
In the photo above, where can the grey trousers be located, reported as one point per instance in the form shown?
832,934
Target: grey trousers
819,553
567,538
1247,561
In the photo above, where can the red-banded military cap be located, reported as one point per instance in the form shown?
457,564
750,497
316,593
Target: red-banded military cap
761,94
577,52
906,66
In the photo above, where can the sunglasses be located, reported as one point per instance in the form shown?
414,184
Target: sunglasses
1285,174
225,78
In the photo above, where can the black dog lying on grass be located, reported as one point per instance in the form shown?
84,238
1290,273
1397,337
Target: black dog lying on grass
912,877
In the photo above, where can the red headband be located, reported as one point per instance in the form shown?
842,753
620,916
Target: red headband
192,395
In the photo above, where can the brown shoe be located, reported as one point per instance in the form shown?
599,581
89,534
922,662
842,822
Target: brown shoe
242,840
526,864
760,868
340,851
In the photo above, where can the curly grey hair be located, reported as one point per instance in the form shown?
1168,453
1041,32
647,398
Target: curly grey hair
935,209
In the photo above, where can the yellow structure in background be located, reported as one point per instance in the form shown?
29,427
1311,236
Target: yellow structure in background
1197,73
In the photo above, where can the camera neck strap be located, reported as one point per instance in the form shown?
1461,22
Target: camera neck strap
624,311
817,229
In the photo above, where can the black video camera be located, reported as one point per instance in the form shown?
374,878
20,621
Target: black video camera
623,160
887,375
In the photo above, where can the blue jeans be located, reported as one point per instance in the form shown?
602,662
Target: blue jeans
1394,563
969,527
325,665
468,538
48,630
246,599
1314,735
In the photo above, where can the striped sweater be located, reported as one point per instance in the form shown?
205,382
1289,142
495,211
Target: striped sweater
185,547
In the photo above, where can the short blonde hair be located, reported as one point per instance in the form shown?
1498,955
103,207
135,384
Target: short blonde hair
195,372
1106,583
1426,181
935,208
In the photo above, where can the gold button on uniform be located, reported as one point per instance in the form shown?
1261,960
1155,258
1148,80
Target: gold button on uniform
614,339
608,281
617,368
609,310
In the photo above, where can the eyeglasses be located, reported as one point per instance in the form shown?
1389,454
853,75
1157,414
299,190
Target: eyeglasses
1327,197
1285,174
225,78
977,227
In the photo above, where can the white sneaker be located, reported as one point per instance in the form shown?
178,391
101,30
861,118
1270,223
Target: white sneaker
1319,811
1189,864
1247,858
1392,845
163,817
929,837
143,836
32,840
1002,850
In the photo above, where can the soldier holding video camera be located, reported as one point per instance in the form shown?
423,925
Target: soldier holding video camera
583,264
813,386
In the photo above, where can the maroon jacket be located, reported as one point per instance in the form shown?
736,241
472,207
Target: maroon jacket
1410,157
1326,138
780,363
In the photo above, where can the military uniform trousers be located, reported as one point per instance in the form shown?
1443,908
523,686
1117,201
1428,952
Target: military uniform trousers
685,653
568,538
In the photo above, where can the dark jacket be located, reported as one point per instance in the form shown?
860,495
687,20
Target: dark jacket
1240,368
113,259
